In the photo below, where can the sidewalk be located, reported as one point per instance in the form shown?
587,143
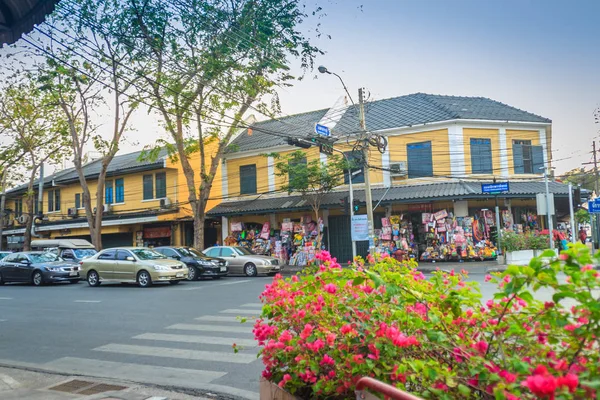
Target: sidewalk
472,267
21,384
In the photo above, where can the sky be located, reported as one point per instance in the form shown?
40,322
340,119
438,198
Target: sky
536,55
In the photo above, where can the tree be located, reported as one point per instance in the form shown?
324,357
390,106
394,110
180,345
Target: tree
205,64
37,134
579,176
582,216
312,179
85,69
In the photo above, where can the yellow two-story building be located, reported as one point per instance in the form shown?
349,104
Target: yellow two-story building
440,150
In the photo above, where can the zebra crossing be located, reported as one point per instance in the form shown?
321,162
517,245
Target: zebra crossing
201,351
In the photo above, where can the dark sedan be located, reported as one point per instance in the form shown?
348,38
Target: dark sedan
37,267
199,265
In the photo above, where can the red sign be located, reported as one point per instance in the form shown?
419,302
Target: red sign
421,207
157,232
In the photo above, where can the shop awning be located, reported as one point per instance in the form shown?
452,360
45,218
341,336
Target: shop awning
19,16
456,190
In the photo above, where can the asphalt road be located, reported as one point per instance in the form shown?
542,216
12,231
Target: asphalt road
173,336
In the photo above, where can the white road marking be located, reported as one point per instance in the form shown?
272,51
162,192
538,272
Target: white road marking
184,354
226,341
252,305
133,372
9,381
6,298
232,283
212,328
224,318
87,301
192,288
241,311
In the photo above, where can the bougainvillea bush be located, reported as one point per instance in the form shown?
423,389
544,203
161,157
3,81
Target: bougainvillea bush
435,337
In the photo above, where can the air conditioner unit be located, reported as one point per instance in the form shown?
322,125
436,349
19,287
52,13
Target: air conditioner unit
398,169
72,212
106,208
165,203
22,219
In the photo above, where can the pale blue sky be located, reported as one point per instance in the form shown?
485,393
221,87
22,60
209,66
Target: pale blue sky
538,55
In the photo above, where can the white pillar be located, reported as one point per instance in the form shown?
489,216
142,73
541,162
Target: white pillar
385,164
271,173
457,151
224,181
503,152
224,229
543,143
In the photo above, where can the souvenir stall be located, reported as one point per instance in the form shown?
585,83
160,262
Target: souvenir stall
396,237
294,244
449,238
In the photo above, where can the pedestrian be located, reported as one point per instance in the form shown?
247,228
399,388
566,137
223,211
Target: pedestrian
582,235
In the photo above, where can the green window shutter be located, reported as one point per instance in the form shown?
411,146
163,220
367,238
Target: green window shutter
481,156
50,200
248,179
161,185
57,200
518,164
537,156
119,191
148,187
108,192
77,200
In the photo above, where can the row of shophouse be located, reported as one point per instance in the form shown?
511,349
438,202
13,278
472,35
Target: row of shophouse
426,184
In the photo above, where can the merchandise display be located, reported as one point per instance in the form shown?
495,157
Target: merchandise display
295,243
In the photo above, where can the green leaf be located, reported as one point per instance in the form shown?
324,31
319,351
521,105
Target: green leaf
464,390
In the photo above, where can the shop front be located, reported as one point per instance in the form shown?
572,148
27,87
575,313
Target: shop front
154,236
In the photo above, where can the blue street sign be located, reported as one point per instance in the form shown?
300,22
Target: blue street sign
494,188
322,130
594,206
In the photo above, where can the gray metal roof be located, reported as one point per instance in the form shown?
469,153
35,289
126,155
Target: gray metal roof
19,16
120,165
396,112
399,194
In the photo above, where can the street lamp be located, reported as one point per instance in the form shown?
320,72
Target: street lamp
550,227
365,157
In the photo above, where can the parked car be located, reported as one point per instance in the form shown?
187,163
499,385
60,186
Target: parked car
73,250
139,265
199,265
244,261
37,267
4,254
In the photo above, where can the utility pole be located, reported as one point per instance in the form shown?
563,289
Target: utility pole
593,216
2,205
572,215
368,198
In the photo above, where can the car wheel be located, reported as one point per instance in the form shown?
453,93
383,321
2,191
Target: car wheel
192,273
1,280
144,279
174,282
250,270
93,278
37,278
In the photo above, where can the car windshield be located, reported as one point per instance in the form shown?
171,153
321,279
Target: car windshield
44,257
147,254
190,252
84,253
242,251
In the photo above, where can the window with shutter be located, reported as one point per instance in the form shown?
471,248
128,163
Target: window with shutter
161,185
248,179
148,187
523,157
108,192
119,191
77,200
537,157
481,156
420,163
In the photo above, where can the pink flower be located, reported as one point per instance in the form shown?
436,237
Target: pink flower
480,346
506,278
541,385
286,379
487,278
307,331
346,329
564,257
295,278
572,327
285,337
330,288
327,361
507,376
570,381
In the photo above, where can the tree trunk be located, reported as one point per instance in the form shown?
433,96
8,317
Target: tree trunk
29,225
199,219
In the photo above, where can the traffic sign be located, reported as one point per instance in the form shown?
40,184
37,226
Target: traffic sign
594,206
322,130
494,188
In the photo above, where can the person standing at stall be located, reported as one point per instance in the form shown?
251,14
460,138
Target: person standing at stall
582,235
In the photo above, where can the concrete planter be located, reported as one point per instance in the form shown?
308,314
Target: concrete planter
270,391
520,257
